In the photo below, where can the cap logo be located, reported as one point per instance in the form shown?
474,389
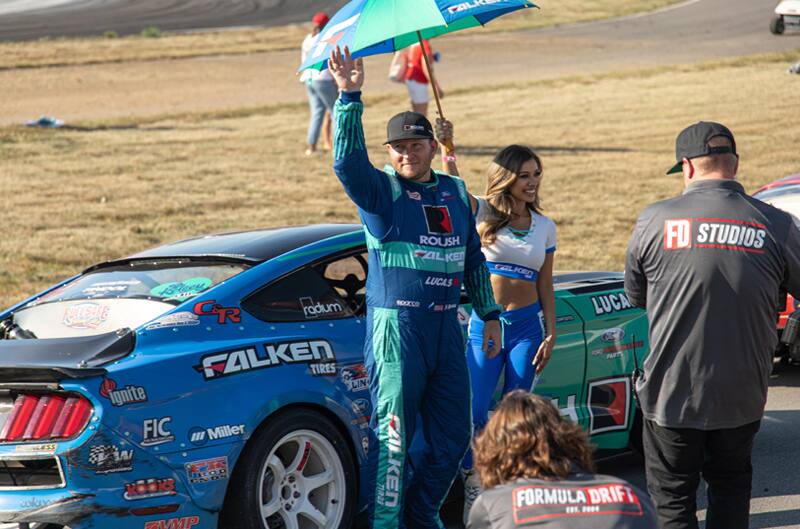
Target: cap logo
413,128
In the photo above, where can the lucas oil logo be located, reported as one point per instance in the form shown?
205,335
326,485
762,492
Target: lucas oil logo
441,281
610,303
720,234
314,309
388,493
217,365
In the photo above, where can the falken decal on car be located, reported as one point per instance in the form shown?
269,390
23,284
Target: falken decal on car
225,363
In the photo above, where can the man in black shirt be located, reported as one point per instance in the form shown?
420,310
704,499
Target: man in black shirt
708,266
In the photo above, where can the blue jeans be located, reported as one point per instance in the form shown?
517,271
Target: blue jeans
321,97
522,335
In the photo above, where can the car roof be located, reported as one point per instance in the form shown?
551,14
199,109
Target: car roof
253,245
786,180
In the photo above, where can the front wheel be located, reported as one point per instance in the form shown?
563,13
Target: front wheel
297,472
776,25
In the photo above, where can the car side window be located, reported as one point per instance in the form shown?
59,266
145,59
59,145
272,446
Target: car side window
348,276
303,295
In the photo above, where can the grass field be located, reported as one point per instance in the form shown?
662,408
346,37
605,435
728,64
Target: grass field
61,52
75,197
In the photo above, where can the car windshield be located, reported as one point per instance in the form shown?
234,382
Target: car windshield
770,194
121,296
167,281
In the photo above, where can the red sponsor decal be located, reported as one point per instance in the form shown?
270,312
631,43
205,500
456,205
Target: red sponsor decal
677,234
186,522
223,314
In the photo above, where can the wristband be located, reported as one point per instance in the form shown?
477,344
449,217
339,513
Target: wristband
449,157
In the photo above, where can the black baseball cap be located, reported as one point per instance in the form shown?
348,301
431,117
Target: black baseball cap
692,142
408,126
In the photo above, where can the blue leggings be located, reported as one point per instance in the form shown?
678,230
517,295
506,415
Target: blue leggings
522,335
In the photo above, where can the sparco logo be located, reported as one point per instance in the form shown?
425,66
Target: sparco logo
200,436
466,6
390,494
313,310
609,303
216,365
120,397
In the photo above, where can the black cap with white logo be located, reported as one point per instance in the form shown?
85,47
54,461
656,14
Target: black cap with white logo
408,126
692,142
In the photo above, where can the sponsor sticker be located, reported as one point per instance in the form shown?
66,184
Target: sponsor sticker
200,436
48,448
217,365
207,470
109,458
223,314
361,406
388,493
355,377
87,315
121,397
414,195
149,488
613,335
156,432
182,290
110,288
609,405
322,369
176,319
314,309
185,522
610,303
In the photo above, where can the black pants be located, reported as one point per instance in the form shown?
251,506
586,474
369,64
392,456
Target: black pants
676,457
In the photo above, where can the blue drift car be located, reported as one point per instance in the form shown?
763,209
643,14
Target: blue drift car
218,382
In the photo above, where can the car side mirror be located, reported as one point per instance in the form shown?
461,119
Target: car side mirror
791,332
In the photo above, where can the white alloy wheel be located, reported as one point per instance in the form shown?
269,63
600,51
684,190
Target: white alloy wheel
302,483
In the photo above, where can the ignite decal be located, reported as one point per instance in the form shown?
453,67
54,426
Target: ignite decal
121,397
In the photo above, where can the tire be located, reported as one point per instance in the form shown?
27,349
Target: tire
265,494
776,26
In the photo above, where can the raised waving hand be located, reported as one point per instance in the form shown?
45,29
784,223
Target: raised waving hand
347,72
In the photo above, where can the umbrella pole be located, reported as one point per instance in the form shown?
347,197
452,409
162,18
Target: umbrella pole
449,144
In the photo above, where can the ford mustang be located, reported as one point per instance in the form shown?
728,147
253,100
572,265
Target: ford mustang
218,382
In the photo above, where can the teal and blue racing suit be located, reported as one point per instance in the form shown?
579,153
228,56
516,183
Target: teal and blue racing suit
422,246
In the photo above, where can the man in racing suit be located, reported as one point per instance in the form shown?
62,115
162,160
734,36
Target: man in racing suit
422,245
708,266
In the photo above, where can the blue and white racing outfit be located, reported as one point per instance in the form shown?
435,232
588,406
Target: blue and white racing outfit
520,257
422,246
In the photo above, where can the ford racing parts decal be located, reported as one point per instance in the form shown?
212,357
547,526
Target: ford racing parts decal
149,488
223,314
156,432
610,303
225,363
207,470
124,396
613,335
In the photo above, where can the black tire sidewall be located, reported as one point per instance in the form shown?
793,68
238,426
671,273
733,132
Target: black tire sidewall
240,510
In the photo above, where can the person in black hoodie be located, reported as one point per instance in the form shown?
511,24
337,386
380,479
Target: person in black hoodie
537,471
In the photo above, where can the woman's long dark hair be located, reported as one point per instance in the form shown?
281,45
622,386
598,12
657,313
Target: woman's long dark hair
503,172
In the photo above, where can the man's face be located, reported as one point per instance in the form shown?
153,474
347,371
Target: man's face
412,158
